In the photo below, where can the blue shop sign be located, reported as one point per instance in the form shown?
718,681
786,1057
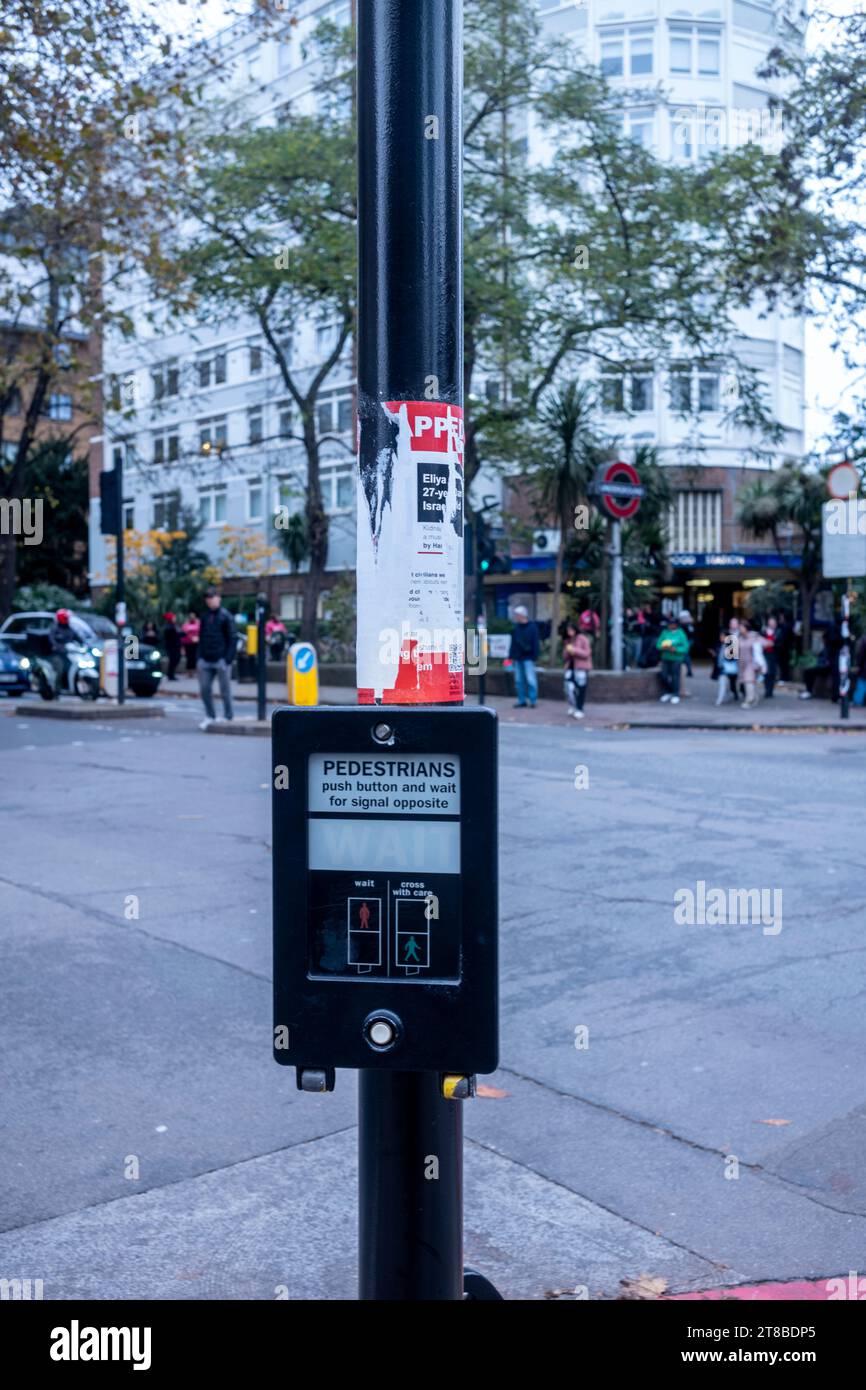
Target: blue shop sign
738,559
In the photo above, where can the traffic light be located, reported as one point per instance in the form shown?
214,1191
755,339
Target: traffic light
489,559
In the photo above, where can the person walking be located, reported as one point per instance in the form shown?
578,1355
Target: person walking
858,671
672,647
751,662
524,655
217,640
770,657
687,623
577,658
149,633
171,642
189,635
727,662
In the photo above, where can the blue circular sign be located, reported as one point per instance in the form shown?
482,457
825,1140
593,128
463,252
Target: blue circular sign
305,659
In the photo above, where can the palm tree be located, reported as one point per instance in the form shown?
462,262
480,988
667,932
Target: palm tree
572,451
792,496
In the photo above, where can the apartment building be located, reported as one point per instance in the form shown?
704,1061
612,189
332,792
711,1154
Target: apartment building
212,430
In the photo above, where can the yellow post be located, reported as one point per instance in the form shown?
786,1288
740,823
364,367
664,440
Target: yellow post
302,674
252,640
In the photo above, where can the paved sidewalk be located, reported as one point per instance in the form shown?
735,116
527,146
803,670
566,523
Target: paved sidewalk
786,711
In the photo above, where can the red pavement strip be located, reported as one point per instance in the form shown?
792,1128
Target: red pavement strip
846,1286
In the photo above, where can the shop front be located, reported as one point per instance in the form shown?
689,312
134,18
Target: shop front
715,587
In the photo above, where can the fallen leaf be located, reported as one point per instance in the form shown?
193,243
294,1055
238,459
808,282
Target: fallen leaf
644,1286
491,1092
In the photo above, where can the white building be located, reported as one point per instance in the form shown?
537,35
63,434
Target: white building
212,426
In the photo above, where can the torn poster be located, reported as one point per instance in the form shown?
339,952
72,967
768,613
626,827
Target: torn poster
410,553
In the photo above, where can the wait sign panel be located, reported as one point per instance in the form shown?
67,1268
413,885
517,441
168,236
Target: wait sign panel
385,902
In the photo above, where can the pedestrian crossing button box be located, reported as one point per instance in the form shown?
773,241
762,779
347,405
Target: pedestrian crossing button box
385,888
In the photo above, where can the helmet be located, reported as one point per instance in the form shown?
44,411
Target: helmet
62,616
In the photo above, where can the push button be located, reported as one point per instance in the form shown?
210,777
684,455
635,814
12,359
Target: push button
382,1030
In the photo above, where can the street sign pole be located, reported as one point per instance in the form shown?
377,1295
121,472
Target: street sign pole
616,594
120,589
410,328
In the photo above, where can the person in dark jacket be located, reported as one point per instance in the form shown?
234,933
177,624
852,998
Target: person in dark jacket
171,642
216,650
524,654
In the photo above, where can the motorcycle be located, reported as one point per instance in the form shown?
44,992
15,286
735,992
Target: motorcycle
77,673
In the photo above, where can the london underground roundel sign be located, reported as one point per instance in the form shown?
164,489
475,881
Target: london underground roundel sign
619,489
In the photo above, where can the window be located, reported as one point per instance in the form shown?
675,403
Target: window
627,391
681,391
326,338
338,487
213,435
128,514
641,391
211,370
255,359
612,57
695,49
165,447
13,405
639,125
255,500
696,133
166,511
708,389
613,393
627,52
166,380
695,521
212,504
335,412
59,406
63,356
254,421
641,50
285,425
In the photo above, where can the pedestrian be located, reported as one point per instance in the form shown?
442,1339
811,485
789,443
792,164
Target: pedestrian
189,635
672,647
783,646
217,638
590,622
149,633
770,656
275,636
687,623
727,665
858,670
751,659
524,654
577,657
171,642
820,668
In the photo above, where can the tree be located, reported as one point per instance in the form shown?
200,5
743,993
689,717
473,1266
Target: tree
59,480
88,187
790,498
569,450
275,212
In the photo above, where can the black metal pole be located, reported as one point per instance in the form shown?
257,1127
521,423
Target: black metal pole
410,347
120,589
261,658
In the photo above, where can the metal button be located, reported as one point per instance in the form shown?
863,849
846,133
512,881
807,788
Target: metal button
381,1032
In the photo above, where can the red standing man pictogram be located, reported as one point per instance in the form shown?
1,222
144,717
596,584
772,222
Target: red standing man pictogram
364,914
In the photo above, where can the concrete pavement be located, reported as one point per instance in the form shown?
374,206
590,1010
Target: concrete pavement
710,1132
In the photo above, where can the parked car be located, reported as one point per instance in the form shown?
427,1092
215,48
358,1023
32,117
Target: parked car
143,674
14,669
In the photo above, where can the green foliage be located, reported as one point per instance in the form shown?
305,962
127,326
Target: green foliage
293,540
32,598
59,479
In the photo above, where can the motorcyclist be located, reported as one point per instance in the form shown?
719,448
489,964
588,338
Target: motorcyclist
61,636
